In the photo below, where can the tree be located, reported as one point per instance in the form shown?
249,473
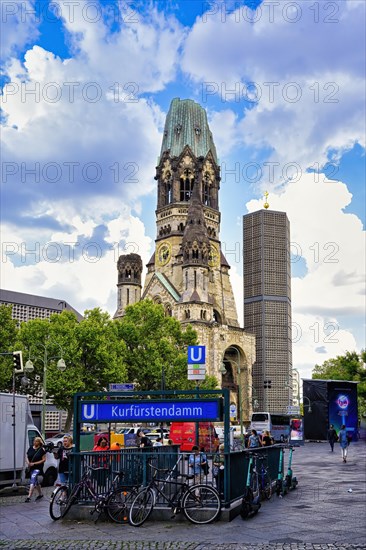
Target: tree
91,349
156,348
350,366
8,332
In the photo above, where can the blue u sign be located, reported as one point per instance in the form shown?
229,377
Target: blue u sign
196,355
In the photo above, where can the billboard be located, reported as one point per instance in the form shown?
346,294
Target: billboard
343,406
331,402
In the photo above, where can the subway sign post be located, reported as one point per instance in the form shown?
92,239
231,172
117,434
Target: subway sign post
196,362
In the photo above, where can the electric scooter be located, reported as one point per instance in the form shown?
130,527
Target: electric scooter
291,481
281,488
250,504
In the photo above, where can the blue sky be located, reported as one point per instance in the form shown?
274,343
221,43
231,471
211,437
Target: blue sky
86,88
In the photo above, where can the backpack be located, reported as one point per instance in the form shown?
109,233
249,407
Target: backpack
205,468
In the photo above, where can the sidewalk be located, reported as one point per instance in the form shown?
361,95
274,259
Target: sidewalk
322,513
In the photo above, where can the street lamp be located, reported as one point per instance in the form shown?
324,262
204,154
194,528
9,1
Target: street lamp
255,400
309,405
223,371
61,365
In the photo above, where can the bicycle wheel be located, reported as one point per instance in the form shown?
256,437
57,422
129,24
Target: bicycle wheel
254,482
201,504
141,507
72,499
266,486
118,505
57,502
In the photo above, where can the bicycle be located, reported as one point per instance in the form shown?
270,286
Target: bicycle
200,503
115,503
261,480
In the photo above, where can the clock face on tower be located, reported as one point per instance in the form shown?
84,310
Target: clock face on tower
164,253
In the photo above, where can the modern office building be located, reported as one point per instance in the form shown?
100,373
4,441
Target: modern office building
188,272
29,306
267,305
25,308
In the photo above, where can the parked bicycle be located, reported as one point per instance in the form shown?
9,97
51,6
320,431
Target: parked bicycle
261,482
115,503
199,503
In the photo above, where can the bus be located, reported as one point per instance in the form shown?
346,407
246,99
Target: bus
278,424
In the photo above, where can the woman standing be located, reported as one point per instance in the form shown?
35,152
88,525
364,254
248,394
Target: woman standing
254,440
196,461
267,439
36,456
63,454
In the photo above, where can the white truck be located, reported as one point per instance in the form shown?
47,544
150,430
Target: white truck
25,432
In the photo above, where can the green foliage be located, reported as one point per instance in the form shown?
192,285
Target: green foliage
8,332
156,348
91,349
350,366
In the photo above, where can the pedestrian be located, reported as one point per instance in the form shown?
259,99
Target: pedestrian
158,442
267,439
63,454
102,444
343,442
36,457
218,469
144,440
197,463
254,440
332,436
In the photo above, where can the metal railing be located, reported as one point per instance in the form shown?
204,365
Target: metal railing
137,473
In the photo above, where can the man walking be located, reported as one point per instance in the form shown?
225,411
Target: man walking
332,436
343,441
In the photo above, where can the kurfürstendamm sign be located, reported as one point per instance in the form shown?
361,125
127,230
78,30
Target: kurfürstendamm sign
150,410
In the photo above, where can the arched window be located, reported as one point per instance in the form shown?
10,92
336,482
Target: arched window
169,193
206,185
186,185
216,316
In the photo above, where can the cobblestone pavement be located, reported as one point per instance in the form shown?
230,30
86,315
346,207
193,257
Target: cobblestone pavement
321,514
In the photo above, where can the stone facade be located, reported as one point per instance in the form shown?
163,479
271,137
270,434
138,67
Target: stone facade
188,272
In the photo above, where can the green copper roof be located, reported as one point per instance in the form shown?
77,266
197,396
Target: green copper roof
186,124
166,284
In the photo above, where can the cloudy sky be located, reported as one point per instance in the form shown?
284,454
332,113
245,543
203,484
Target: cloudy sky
86,88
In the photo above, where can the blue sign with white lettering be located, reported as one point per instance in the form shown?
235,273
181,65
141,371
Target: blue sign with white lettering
122,387
150,411
196,355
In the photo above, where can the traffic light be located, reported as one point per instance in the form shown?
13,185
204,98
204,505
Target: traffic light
267,383
18,361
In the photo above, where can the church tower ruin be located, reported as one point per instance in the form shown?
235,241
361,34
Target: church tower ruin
188,273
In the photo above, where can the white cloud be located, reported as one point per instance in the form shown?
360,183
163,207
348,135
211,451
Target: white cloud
306,89
330,241
91,141
19,25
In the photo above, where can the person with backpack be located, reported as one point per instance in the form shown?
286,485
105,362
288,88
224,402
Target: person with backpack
254,440
144,441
